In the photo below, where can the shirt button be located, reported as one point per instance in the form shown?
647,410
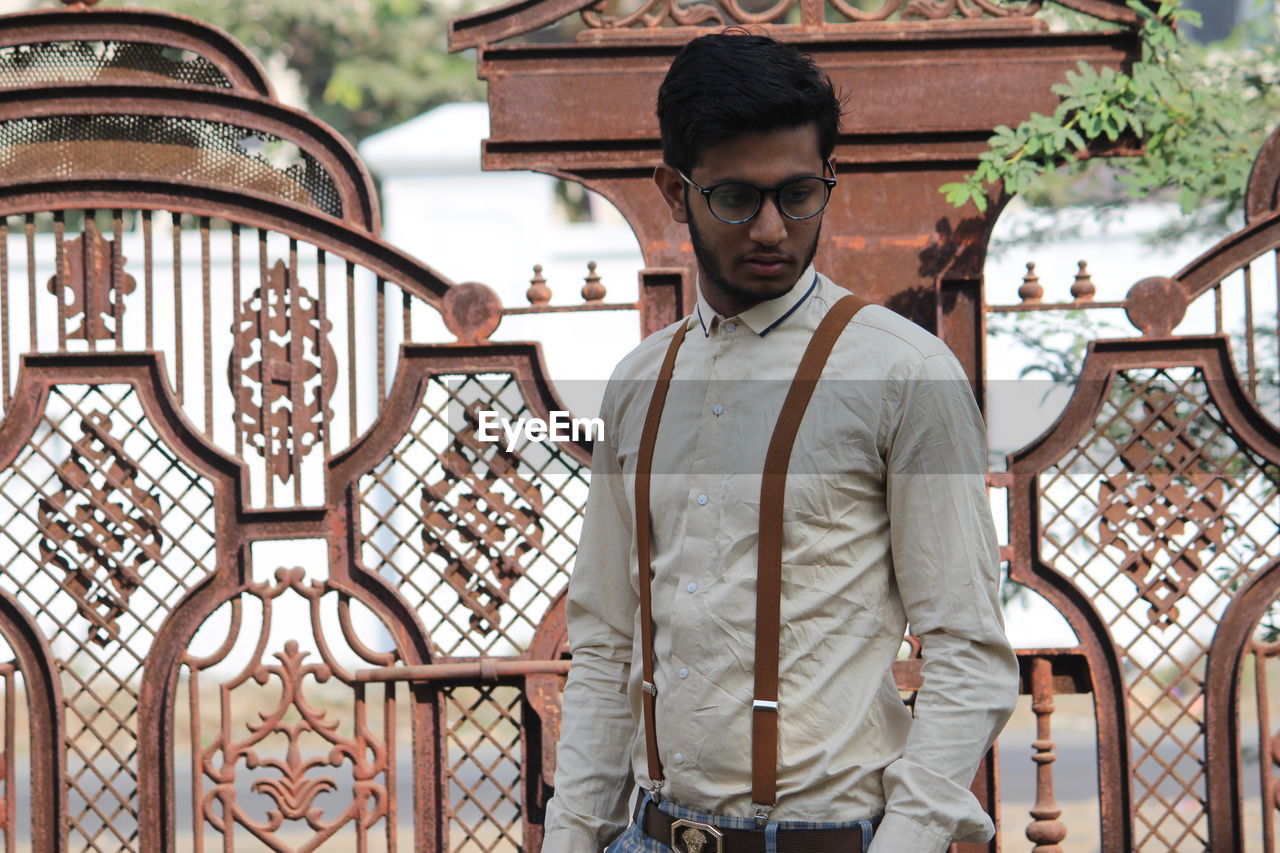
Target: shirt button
718,409
678,758
691,587
702,500
730,327
683,673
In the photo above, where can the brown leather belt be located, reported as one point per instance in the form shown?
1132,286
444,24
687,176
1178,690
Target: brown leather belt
685,836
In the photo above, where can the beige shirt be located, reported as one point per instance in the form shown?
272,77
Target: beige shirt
887,520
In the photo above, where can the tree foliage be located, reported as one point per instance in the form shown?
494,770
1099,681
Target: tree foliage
364,65
1189,117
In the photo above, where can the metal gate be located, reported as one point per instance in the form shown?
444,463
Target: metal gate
263,588
206,349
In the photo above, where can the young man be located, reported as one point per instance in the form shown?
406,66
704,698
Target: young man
886,516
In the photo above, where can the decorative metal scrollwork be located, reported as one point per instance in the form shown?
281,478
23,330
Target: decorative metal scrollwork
286,370
1148,509
652,14
112,522
294,751
469,503
94,289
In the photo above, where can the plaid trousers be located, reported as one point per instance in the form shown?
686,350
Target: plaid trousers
635,841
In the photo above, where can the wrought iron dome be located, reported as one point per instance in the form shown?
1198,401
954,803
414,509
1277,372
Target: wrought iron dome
159,99
126,45
102,105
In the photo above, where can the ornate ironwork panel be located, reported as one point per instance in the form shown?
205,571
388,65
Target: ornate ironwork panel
105,529
1151,503
284,747
1157,516
479,539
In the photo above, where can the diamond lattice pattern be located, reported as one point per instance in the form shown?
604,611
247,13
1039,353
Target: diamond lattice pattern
1157,516
483,773
102,531
478,539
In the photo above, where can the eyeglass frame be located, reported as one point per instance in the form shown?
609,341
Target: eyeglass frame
706,192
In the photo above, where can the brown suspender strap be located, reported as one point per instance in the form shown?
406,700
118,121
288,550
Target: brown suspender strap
764,728
764,710
644,469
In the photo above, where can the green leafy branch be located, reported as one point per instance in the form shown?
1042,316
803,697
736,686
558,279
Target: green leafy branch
1186,116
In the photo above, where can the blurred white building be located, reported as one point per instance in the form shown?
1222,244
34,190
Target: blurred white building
493,227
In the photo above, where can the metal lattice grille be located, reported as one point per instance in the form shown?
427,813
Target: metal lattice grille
86,61
102,531
166,147
1157,517
477,539
483,771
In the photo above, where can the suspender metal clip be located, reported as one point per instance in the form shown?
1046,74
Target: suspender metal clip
762,814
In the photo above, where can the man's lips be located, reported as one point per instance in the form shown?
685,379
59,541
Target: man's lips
766,264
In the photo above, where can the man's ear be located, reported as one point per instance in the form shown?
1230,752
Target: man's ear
671,185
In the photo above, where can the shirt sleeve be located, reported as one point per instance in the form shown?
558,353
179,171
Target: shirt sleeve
946,566
593,766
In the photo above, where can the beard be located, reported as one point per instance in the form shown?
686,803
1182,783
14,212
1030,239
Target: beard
710,267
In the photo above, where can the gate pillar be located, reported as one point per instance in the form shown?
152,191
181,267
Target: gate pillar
924,92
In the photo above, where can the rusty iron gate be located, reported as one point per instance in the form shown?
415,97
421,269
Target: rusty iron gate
263,588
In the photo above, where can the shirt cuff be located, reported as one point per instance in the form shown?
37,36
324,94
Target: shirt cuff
565,840
898,833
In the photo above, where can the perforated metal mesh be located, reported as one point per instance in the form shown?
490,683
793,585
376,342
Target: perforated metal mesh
1158,516
165,147
114,61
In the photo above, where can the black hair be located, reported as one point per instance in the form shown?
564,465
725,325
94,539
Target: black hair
726,84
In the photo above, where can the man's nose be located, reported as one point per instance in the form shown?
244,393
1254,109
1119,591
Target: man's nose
769,228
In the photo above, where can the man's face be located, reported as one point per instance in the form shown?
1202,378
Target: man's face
762,258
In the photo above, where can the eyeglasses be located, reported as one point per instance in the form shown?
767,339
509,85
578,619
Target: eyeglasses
736,202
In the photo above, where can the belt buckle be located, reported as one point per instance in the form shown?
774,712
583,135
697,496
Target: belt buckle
695,836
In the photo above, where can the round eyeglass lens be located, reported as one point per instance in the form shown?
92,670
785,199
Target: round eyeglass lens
734,202
802,198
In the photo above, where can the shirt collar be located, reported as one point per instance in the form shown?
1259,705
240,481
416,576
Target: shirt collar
763,317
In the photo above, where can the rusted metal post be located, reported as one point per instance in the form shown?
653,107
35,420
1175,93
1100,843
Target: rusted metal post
1046,831
1266,741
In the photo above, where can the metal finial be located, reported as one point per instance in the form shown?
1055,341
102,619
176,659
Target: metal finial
1031,291
1082,288
593,290
538,292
